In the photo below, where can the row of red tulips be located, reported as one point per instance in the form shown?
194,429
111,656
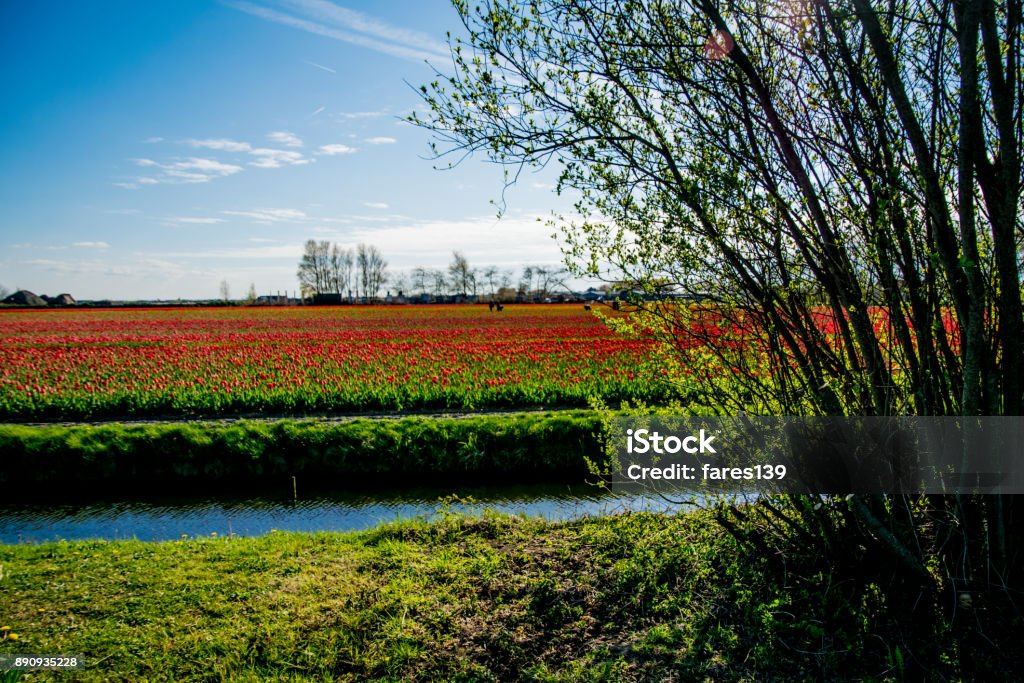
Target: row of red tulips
90,363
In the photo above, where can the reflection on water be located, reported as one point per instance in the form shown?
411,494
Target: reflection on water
167,519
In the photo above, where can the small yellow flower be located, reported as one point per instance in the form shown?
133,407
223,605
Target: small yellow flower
42,609
5,628
214,534
12,636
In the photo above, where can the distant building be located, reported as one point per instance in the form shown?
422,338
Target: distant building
272,300
60,300
327,299
24,297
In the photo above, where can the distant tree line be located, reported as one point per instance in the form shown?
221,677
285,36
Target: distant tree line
536,282
361,273
327,268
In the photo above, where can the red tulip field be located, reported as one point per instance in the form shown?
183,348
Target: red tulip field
207,361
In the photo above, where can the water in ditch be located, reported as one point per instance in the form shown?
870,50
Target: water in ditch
166,518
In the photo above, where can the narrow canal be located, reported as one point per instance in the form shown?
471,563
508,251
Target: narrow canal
165,518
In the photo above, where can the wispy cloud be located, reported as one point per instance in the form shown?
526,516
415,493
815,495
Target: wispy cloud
91,245
340,23
142,267
335,149
351,115
320,66
508,242
286,138
204,166
266,157
195,220
381,140
378,218
270,215
201,170
276,158
190,170
375,205
275,251
222,144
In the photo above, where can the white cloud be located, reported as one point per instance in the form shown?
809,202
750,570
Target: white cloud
187,176
201,170
320,66
381,140
285,138
380,218
357,21
335,149
268,158
276,158
270,215
144,268
91,245
190,170
352,115
196,220
339,23
222,144
206,165
196,170
375,205
277,251
507,243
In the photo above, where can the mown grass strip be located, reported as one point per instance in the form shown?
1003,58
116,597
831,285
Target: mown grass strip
538,445
484,598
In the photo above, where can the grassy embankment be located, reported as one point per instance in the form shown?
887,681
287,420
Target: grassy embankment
632,597
536,446
635,597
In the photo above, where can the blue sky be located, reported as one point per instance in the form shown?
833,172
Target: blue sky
153,149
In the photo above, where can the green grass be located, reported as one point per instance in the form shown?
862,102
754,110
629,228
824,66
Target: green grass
540,445
631,597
